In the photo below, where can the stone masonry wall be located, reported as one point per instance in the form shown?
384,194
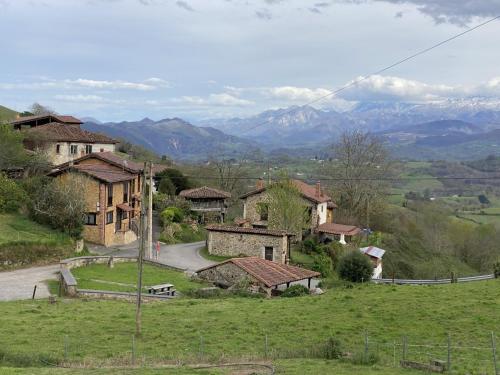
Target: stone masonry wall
226,274
235,244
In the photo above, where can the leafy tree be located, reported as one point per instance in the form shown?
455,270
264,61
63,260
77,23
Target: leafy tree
12,154
171,215
62,204
286,208
166,186
355,267
12,196
38,109
323,264
180,181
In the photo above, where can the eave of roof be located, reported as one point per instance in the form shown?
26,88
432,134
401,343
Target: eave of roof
307,191
204,192
58,132
334,228
246,230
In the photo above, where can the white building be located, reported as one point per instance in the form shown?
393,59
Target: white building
376,254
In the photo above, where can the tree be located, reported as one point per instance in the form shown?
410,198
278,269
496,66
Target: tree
12,154
61,203
355,267
229,174
360,175
166,186
37,109
12,196
180,181
286,207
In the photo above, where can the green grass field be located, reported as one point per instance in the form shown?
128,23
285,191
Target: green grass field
15,227
189,329
101,277
7,114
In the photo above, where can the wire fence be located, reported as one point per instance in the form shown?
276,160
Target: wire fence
445,355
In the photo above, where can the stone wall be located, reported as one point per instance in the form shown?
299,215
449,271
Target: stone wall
226,275
235,244
64,155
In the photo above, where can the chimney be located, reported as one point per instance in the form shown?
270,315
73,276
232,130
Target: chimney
318,189
260,183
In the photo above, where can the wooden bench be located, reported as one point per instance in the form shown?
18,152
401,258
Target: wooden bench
167,289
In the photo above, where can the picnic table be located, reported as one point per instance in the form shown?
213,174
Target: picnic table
167,289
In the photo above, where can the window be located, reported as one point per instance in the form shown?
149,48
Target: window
91,218
88,149
102,150
58,149
125,192
268,253
263,210
73,149
109,217
124,215
110,195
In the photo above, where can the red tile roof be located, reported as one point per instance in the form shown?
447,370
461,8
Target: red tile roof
307,191
58,132
333,228
246,230
100,172
268,272
205,192
54,118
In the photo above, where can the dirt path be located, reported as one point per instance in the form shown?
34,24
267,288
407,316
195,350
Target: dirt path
19,284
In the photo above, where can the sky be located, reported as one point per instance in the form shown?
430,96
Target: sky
118,60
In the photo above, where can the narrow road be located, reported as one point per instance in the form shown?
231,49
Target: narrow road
19,284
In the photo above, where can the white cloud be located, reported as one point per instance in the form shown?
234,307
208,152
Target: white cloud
223,99
295,94
94,99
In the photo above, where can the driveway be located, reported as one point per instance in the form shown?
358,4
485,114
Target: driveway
19,284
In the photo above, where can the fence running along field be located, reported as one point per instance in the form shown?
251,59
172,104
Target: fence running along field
434,282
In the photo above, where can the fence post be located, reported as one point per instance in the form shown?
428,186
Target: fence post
133,350
494,348
266,347
66,348
394,352
366,347
405,347
201,346
448,362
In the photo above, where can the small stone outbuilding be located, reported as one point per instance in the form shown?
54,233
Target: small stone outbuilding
255,273
272,245
337,232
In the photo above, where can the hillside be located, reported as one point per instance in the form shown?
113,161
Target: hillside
176,138
236,328
7,114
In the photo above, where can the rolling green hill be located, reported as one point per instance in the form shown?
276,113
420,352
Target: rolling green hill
6,114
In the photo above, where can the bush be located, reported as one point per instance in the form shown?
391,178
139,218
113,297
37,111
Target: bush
332,349
296,290
355,267
323,265
496,269
309,246
171,215
12,196
166,186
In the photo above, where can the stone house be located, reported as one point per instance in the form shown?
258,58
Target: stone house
320,206
61,141
255,273
272,245
207,203
112,196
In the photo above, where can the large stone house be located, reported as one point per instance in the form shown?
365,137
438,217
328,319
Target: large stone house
272,245
112,196
207,203
61,138
320,205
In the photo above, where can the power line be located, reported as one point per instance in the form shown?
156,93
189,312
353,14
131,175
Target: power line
410,57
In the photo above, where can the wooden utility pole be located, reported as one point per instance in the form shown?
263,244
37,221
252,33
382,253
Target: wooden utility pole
142,233
150,212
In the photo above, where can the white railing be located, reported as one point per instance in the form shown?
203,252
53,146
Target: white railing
433,282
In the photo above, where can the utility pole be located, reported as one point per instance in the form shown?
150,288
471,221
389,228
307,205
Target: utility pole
150,212
142,233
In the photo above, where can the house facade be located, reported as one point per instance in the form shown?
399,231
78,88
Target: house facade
207,203
112,197
272,245
320,206
65,142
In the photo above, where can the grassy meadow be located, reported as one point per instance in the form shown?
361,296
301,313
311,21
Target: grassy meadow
235,328
16,227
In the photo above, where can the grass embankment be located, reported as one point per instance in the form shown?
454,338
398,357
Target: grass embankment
24,242
185,234
123,277
237,327
214,258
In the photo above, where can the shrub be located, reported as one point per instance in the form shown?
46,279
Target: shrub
171,215
355,267
334,250
296,290
323,265
496,269
309,246
332,349
12,196
166,186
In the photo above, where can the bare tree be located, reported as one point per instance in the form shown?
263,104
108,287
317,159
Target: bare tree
360,171
38,109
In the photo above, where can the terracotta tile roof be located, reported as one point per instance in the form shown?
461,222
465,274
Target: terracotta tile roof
124,207
268,272
104,173
307,191
55,118
331,204
205,192
57,132
333,228
245,230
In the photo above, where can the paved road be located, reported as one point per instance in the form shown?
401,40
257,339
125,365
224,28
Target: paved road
19,284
